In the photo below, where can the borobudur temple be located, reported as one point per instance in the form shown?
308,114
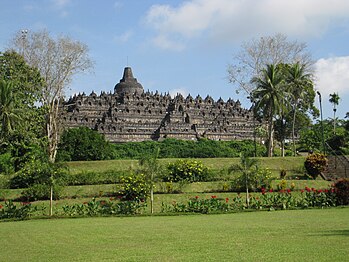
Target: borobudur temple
131,114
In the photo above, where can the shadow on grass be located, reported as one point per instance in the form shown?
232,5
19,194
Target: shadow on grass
334,233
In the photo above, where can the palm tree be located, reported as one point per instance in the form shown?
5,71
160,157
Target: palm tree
9,115
299,84
248,168
151,168
269,96
334,99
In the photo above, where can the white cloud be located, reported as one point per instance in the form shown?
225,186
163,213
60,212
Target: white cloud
123,38
61,3
118,5
332,75
176,91
233,20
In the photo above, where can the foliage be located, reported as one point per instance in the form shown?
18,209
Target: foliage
83,144
26,88
135,188
341,188
267,200
187,170
9,115
259,178
315,163
11,211
6,165
172,148
42,192
318,198
94,178
103,207
38,171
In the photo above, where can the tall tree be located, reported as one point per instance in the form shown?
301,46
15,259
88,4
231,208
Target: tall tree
269,96
58,60
334,100
301,88
257,53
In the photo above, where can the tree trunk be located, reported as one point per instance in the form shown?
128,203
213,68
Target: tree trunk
270,137
293,132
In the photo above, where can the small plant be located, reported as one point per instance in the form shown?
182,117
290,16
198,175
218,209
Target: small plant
315,164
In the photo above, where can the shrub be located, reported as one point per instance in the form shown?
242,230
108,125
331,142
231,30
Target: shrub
41,192
83,144
341,188
315,163
187,170
256,180
135,188
10,210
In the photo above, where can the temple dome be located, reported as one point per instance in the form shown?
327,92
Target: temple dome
128,84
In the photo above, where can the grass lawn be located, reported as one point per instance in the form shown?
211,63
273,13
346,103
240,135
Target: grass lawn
298,235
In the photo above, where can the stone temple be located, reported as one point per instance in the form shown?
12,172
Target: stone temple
131,114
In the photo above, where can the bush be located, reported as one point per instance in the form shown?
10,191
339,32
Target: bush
93,178
83,144
342,191
135,188
257,180
41,192
315,163
10,210
38,172
187,170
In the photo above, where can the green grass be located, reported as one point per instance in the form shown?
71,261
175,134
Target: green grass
299,235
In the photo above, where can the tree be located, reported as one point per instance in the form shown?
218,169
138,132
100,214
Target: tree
301,88
270,97
257,53
334,100
26,86
9,115
57,60
83,144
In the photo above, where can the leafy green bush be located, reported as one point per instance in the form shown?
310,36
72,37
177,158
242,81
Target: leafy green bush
260,178
315,163
103,207
10,210
83,144
94,178
172,148
341,188
41,192
38,172
135,188
187,170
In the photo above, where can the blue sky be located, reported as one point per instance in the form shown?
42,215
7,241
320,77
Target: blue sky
185,46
